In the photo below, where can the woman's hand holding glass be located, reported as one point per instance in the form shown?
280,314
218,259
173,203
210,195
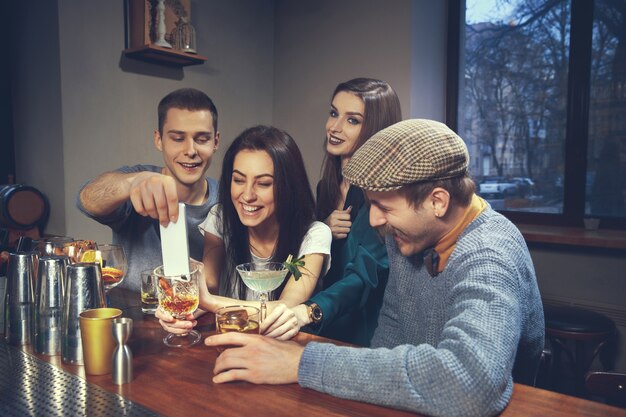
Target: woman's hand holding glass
184,325
174,325
179,297
282,323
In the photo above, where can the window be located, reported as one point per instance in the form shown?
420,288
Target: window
537,89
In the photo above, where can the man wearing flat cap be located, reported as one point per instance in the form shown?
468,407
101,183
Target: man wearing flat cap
462,315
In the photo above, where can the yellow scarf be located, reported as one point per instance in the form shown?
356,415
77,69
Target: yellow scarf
446,245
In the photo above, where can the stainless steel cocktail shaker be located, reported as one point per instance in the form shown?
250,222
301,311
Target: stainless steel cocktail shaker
49,304
84,291
19,301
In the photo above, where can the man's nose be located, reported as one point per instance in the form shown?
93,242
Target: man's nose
190,147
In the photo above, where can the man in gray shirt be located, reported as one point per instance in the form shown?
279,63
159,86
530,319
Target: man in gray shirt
462,316
134,200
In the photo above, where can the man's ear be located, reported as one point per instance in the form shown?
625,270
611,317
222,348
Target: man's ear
440,199
158,141
217,140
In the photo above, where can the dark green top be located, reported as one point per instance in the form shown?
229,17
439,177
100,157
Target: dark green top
352,296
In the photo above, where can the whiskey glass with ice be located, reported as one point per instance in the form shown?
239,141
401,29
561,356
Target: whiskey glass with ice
237,318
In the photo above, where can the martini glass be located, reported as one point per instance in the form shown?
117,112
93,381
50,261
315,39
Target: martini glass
179,296
262,277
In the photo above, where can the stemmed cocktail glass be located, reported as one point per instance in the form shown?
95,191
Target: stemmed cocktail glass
262,277
179,296
114,265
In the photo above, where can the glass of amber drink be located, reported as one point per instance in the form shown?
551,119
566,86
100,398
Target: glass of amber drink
237,318
112,258
179,296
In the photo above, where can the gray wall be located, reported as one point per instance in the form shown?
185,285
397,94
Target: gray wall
319,44
81,108
37,112
585,277
269,62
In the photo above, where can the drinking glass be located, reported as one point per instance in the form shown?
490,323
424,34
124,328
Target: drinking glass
179,296
240,319
149,296
80,250
114,265
262,277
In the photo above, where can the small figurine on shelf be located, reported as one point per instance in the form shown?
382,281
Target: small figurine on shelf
161,30
184,36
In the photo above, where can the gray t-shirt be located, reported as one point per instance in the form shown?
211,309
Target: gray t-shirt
140,235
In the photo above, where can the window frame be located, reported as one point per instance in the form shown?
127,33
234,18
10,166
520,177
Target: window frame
577,123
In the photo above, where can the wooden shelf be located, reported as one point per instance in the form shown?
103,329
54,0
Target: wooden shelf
153,53
140,36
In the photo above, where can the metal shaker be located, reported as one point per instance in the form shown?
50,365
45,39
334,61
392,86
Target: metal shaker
49,304
84,291
122,366
19,302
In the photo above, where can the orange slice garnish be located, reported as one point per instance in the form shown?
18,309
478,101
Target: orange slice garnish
111,275
91,255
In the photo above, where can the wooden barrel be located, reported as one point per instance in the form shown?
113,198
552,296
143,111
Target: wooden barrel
22,207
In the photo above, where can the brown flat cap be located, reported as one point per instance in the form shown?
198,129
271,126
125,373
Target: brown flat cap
409,151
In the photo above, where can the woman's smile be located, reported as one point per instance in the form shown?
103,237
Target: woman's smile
252,188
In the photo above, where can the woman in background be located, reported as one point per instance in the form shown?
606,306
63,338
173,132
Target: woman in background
347,307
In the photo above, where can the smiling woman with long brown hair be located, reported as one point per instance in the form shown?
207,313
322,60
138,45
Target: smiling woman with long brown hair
265,213
347,307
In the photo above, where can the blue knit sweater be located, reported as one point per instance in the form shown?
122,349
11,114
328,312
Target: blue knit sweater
445,345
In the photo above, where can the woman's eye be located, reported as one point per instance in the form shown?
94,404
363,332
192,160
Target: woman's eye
238,181
265,184
333,113
353,121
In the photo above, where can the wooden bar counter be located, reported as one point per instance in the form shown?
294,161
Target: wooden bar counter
177,382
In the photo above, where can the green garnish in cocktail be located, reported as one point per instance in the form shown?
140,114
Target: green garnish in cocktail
292,266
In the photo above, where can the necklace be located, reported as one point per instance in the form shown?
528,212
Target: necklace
257,253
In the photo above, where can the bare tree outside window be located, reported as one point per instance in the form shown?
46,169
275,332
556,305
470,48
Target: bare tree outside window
513,105
606,163
514,102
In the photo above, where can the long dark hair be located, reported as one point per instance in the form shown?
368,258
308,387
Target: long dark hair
292,196
382,109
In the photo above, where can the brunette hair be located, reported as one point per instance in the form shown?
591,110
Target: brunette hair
382,109
185,99
292,196
461,190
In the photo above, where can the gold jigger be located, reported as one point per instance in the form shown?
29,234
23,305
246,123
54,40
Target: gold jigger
97,339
